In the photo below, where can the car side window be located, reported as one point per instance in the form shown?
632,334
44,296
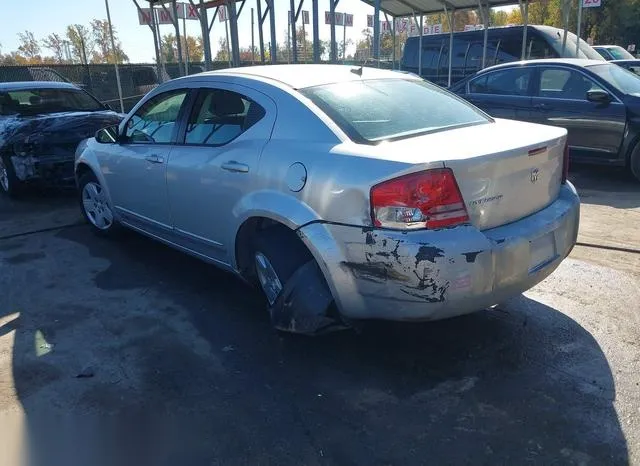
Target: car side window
512,82
155,121
565,84
219,116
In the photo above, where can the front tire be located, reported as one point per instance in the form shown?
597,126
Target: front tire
95,206
10,185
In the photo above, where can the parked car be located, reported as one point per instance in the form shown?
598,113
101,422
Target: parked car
504,45
613,52
631,65
41,123
597,102
330,188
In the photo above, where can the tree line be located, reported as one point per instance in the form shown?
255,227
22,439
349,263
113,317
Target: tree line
79,44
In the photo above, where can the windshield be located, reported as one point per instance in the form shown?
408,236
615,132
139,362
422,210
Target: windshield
39,101
619,53
623,80
585,50
375,110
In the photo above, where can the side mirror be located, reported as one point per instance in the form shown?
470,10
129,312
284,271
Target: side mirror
599,96
108,135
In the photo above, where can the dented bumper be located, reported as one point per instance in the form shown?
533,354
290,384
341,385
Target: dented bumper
430,275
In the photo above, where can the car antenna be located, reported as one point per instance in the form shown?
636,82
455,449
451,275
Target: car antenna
357,71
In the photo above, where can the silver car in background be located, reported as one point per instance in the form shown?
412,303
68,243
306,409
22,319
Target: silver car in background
343,193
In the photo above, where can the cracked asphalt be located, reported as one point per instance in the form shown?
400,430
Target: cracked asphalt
131,353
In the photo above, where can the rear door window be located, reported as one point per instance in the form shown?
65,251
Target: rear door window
219,116
512,82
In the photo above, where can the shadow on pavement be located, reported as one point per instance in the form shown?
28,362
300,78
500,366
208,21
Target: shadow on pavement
207,382
604,185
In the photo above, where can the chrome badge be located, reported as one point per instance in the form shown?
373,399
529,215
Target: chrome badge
535,173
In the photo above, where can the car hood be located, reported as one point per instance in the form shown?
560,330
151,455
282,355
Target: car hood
55,129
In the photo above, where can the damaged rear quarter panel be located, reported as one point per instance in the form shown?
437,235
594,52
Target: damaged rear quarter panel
397,267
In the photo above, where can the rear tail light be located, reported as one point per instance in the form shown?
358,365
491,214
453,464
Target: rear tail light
428,199
565,164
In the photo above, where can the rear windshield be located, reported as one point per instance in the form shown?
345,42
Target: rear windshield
370,111
622,79
619,53
39,101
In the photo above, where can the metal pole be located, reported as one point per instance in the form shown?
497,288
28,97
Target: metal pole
524,11
152,26
332,13
376,31
288,37
294,38
156,39
115,56
450,19
578,31
186,40
253,45
316,32
565,23
393,54
272,27
226,31
485,23
420,25
176,24
232,20
304,41
260,34
206,43
344,37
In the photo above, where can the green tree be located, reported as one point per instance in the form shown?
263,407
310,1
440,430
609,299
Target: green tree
101,37
28,45
55,43
82,43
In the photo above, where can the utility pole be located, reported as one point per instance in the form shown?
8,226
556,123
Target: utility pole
115,56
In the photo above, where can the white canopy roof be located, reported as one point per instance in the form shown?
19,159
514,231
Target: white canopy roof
409,7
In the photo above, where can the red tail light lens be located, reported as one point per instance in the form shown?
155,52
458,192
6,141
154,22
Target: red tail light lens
429,199
565,164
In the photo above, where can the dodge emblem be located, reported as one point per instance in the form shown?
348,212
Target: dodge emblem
534,175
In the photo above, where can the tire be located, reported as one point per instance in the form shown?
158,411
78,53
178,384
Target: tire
634,162
10,185
95,206
279,249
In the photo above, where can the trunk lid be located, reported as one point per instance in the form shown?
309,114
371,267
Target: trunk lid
506,170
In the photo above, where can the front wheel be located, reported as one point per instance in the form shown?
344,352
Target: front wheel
10,185
95,205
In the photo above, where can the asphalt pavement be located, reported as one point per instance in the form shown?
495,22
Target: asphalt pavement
127,352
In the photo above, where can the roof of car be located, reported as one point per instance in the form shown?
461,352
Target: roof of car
580,62
308,75
17,85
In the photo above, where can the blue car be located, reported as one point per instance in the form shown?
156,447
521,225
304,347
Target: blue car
41,124
597,102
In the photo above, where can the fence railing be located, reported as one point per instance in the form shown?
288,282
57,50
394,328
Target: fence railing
100,80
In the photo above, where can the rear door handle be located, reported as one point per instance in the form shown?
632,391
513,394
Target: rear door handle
234,166
154,158
542,106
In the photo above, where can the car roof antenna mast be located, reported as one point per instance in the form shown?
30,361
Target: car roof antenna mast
357,71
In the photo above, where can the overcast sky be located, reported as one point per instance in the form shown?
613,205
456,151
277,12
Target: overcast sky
46,16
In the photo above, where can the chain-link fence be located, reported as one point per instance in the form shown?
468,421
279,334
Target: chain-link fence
100,80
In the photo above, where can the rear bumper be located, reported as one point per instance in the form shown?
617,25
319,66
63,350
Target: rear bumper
430,275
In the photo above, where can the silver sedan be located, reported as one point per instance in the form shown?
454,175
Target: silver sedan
342,193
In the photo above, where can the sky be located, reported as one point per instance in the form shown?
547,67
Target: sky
137,40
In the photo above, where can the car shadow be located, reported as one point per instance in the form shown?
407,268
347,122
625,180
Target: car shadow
604,185
522,383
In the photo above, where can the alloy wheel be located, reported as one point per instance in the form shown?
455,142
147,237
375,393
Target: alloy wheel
96,207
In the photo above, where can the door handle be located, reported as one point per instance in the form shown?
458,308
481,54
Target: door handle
542,106
234,166
154,158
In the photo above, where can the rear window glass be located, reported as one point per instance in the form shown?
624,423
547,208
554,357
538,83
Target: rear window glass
39,101
375,110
